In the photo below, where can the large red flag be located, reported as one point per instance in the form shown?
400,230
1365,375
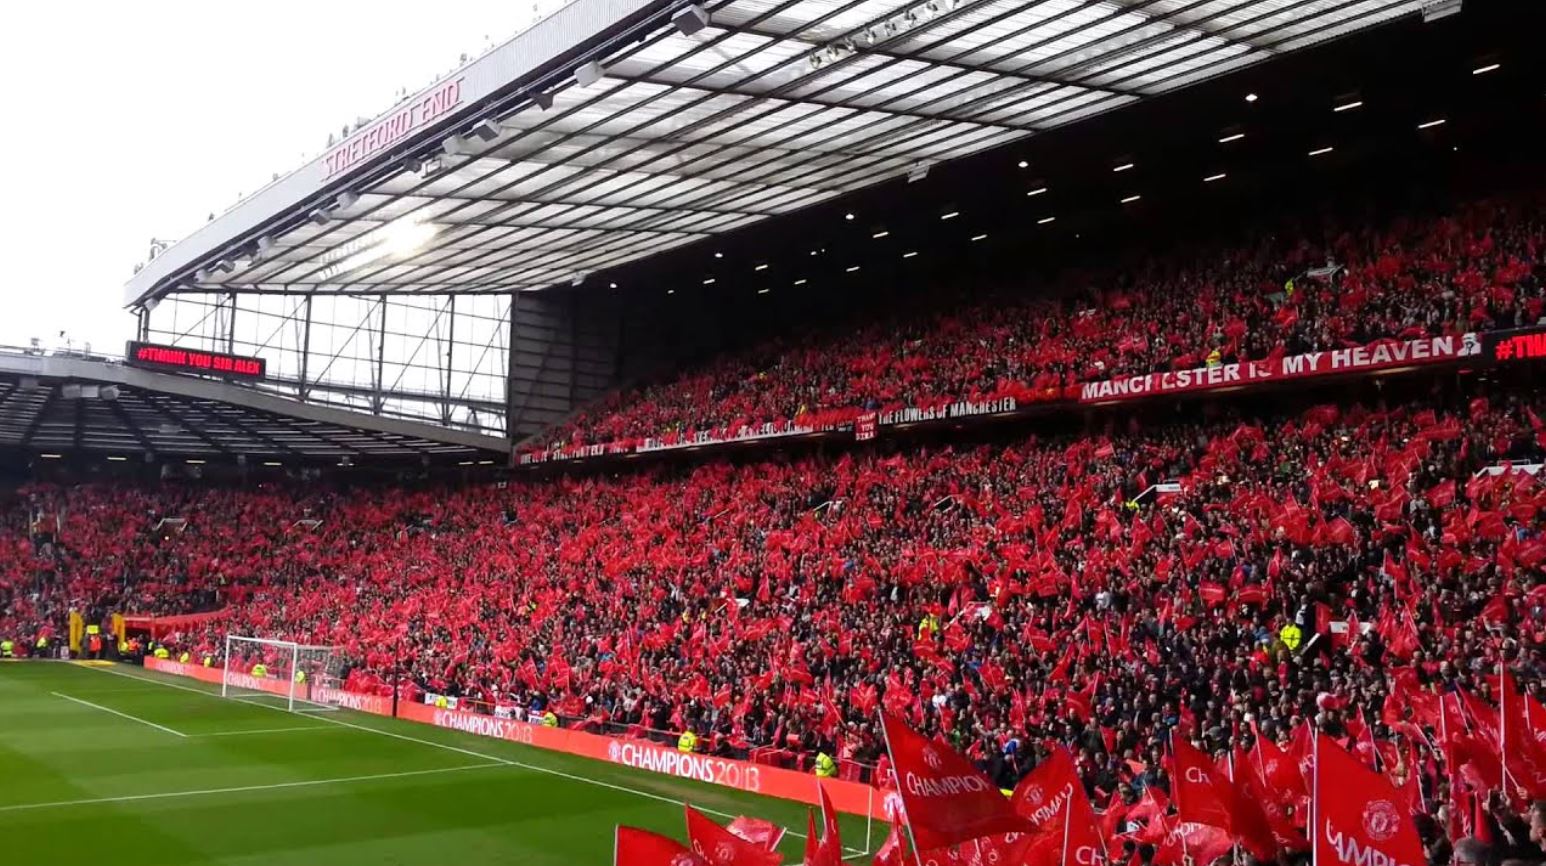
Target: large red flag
945,799
1202,843
1360,818
1524,758
1043,796
1278,769
635,847
720,847
1201,797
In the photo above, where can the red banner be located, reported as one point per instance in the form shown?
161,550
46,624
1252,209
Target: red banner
854,798
946,799
1381,355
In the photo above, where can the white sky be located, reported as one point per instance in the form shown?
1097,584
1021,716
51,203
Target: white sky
124,121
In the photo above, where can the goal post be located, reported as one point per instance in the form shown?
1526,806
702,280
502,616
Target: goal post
298,677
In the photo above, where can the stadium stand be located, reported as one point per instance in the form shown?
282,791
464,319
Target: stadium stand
1365,560
1468,269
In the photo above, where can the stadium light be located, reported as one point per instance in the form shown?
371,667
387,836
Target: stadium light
1232,137
588,73
801,281
347,199
761,267
1321,151
1483,70
1431,124
881,234
319,216
1348,106
909,254
851,269
950,215
486,130
1045,220
709,281
1023,164
1130,199
1213,177
1037,191
51,456
763,291
848,216
719,255
272,463
116,459
194,461
1124,166
1251,97
690,20
979,237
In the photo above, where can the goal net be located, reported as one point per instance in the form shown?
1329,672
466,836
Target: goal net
297,677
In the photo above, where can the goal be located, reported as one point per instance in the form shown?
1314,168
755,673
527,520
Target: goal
297,677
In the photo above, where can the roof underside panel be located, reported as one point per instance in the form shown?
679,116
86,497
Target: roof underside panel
775,106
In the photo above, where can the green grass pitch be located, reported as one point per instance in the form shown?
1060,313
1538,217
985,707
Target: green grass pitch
127,764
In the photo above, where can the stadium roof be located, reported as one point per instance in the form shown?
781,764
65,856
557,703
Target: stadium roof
511,175
84,404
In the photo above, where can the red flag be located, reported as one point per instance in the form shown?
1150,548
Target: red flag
1359,815
830,851
1200,796
1200,842
893,852
757,831
720,847
945,799
635,847
1045,795
1279,770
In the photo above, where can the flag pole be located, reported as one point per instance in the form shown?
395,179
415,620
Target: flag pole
1315,796
617,832
906,821
1503,723
1068,820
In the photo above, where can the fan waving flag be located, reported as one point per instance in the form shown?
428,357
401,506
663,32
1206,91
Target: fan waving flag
945,799
720,847
1201,797
1043,797
635,847
828,851
1359,816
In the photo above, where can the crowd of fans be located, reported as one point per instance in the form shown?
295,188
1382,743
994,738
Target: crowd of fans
999,596
1233,577
1292,288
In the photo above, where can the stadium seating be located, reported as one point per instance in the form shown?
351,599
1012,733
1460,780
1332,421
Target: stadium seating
1474,268
1228,575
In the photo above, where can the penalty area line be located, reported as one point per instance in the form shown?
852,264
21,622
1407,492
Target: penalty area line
120,715
308,783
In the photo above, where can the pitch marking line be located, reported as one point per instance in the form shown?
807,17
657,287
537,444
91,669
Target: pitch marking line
120,715
495,758
259,731
309,783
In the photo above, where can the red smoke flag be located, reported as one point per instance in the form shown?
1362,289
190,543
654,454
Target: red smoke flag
1360,817
1201,797
635,847
720,847
945,799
